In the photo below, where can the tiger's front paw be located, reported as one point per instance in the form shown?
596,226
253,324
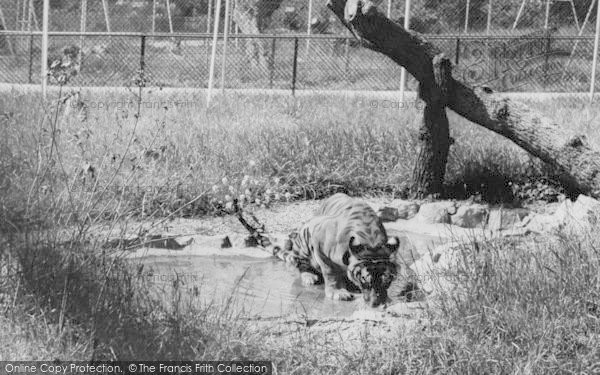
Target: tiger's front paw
309,278
339,294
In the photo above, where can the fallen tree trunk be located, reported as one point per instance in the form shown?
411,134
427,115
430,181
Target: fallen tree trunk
576,163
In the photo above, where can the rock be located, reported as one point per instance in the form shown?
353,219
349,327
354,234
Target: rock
573,217
388,214
406,210
250,241
504,219
471,216
226,244
437,212
398,209
586,210
433,270
155,241
539,223
159,241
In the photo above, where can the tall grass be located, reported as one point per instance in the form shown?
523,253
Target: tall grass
532,305
82,302
312,146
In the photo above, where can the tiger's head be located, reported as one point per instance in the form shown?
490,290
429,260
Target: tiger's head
371,269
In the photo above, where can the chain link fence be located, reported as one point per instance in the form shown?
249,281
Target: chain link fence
524,64
509,45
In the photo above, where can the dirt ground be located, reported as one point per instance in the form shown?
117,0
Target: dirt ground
278,218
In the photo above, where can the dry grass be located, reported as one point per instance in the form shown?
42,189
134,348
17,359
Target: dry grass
155,166
531,308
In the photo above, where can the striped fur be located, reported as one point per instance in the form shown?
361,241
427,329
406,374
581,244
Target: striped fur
344,243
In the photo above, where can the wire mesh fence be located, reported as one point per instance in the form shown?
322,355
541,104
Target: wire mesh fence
510,45
531,63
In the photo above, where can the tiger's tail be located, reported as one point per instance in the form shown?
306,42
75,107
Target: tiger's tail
283,252
286,252
288,255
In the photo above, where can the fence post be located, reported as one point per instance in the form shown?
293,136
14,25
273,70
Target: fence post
106,16
468,7
206,50
406,27
596,52
547,49
30,58
272,63
308,26
44,59
347,57
457,53
295,66
142,60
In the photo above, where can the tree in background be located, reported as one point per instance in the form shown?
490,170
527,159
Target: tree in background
582,7
253,17
439,16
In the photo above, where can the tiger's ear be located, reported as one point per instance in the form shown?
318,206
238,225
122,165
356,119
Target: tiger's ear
393,246
354,249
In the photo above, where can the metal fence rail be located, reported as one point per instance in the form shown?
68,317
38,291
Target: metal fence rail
530,63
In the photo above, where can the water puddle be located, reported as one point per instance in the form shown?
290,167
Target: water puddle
265,286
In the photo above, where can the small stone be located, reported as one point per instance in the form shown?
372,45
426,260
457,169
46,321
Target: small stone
226,244
471,216
436,212
576,217
250,242
503,219
587,210
388,214
397,209
407,210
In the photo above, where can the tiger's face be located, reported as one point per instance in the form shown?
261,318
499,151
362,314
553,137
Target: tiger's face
371,270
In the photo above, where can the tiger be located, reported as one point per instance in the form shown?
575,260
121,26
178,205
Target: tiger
343,246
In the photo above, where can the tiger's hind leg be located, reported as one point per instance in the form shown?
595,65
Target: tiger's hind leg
308,274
